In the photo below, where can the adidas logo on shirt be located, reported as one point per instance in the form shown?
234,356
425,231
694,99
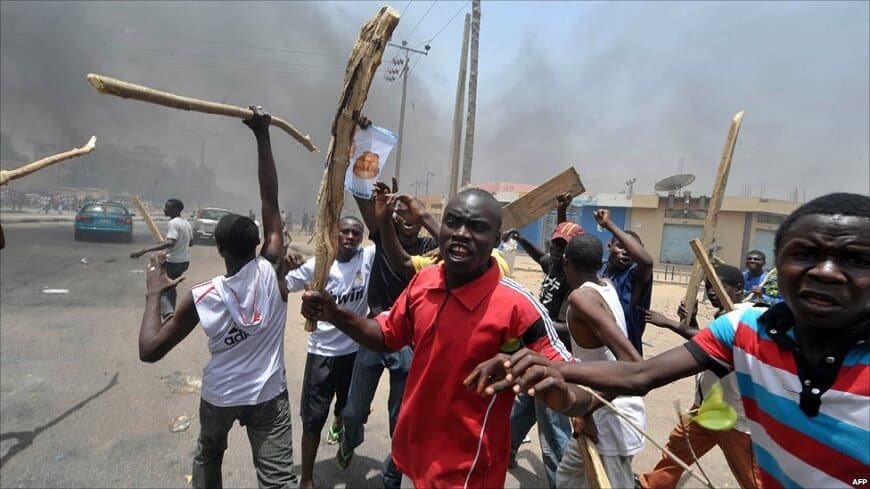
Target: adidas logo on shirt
235,336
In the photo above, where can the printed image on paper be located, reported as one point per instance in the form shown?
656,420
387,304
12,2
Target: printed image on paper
370,150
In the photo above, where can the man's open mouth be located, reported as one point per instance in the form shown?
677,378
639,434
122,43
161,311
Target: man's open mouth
819,299
458,251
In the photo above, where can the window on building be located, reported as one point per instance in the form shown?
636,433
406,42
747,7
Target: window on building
770,219
685,214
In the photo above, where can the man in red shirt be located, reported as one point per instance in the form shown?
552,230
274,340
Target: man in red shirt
458,315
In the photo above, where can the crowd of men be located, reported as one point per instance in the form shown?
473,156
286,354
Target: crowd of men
475,359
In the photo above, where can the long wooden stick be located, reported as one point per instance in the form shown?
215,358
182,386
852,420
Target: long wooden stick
364,60
595,474
120,88
710,274
7,176
712,219
640,430
148,221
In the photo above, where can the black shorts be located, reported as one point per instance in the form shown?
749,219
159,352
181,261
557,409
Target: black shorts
324,378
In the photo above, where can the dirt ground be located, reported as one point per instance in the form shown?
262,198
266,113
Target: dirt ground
660,410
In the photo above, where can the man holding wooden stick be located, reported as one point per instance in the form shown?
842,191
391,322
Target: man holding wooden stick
243,313
179,239
802,364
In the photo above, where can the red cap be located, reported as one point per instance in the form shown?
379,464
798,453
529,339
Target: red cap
566,231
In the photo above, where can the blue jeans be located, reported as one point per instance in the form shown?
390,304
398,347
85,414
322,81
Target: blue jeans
367,370
554,431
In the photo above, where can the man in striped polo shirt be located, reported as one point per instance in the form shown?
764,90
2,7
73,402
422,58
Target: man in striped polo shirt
803,366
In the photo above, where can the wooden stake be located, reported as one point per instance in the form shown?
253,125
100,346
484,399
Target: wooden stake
595,474
148,221
540,200
120,88
364,60
710,273
7,176
712,220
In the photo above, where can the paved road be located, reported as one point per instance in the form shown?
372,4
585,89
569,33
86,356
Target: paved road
77,408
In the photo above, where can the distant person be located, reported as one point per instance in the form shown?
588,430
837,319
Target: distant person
331,353
305,221
736,443
629,267
243,314
178,240
753,276
802,365
290,221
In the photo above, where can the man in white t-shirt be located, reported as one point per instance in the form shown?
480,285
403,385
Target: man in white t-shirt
178,240
599,332
331,353
243,315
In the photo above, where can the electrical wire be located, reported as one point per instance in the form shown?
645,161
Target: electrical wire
421,19
444,26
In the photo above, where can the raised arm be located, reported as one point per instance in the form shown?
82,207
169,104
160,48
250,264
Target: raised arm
399,259
591,309
157,338
563,201
273,228
414,211
635,250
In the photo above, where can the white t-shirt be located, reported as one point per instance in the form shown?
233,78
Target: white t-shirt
179,230
244,318
348,284
615,436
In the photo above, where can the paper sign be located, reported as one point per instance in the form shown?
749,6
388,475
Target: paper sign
370,150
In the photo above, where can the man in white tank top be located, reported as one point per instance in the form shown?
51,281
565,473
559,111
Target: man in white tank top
243,314
598,332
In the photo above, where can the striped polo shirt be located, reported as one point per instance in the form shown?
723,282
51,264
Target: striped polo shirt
803,434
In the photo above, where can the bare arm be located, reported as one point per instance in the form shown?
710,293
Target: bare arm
643,273
156,338
398,258
320,306
267,175
169,243
563,201
593,311
532,250
688,332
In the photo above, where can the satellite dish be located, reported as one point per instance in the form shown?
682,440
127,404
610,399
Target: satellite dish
674,182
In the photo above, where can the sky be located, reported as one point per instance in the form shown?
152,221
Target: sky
620,90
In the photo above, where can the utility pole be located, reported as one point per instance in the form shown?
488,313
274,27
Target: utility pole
457,113
472,93
391,76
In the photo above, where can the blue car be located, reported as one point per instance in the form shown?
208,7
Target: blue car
104,219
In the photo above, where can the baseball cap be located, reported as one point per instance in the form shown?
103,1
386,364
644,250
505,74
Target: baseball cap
566,231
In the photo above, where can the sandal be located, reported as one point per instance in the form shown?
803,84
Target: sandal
342,459
333,437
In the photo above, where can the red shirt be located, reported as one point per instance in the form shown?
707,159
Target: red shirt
447,435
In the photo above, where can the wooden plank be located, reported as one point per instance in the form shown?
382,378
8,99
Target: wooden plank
361,66
710,273
148,221
595,474
712,220
120,88
7,176
540,200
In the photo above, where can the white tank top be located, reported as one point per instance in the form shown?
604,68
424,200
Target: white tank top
243,317
615,436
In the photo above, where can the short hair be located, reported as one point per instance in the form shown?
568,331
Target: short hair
630,233
729,275
176,204
844,204
584,252
352,218
758,252
238,235
487,197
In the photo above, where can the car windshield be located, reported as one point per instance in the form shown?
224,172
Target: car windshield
213,214
104,209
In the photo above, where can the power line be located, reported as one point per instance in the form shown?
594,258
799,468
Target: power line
444,26
174,34
421,19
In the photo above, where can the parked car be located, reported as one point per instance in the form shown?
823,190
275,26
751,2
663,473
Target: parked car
204,221
104,219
